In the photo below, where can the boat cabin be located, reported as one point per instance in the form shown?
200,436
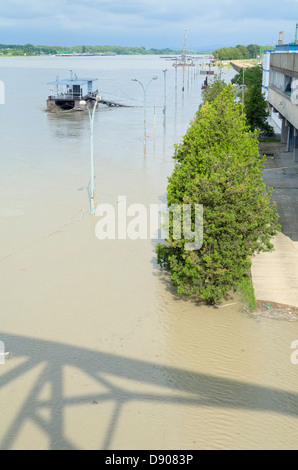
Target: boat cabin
66,94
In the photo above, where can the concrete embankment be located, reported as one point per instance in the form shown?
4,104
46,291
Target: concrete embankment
240,64
275,274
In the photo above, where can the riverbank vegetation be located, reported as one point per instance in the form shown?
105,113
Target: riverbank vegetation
218,165
252,51
30,50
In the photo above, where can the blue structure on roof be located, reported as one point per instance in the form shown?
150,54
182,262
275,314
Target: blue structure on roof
286,48
67,93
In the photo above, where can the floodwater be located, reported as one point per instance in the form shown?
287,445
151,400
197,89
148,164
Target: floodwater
103,353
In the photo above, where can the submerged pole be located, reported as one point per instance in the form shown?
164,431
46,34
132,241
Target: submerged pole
91,122
165,90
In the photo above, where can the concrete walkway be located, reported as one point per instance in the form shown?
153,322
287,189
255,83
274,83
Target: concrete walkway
275,274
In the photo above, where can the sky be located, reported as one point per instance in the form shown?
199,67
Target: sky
147,23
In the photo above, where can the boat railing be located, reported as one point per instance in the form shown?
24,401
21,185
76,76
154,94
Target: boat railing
66,96
92,94
72,96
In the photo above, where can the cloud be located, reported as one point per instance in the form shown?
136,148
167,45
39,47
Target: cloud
212,20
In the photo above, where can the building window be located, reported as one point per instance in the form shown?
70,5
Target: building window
288,85
277,80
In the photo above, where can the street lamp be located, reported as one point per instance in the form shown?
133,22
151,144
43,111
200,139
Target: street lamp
145,91
176,83
165,90
91,120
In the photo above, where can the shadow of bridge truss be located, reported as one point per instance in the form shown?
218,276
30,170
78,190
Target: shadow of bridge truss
178,386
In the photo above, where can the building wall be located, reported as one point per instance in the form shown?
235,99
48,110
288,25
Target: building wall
283,96
283,105
283,73
266,72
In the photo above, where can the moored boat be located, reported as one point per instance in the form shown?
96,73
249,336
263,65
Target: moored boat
66,94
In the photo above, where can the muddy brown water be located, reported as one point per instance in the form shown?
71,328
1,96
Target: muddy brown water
103,353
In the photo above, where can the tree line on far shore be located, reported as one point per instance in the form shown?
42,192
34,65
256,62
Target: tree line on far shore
252,51
30,49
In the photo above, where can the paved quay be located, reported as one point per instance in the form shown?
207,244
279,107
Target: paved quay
275,274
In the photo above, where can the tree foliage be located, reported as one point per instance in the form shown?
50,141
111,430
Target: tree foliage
214,90
256,110
255,105
218,165
30,49
227,53
252,51
252,76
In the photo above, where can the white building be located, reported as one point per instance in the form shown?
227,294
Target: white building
280,86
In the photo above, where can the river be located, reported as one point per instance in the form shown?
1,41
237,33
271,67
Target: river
103,353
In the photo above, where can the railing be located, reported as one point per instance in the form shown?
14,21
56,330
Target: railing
66,96
92,94
72,96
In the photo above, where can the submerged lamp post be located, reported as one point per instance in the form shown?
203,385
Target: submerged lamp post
176,84
91,120
145,91
165,90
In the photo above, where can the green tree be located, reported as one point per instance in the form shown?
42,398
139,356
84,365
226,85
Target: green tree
214,90
231,53
218,165
28,48
255,105
252,76
243,51
253,50
256,110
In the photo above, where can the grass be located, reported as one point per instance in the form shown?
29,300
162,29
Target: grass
268,139
247,293
246,63
223,66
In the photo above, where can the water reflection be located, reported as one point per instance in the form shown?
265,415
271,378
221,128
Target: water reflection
67,124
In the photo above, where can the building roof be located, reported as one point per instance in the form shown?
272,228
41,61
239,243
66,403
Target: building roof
286,48
72,81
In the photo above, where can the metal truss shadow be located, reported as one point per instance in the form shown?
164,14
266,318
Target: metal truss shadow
180,386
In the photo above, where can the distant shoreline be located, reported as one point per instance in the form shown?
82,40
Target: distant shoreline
82,50
204,54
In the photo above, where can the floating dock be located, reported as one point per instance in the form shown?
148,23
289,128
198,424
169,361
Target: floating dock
67,94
